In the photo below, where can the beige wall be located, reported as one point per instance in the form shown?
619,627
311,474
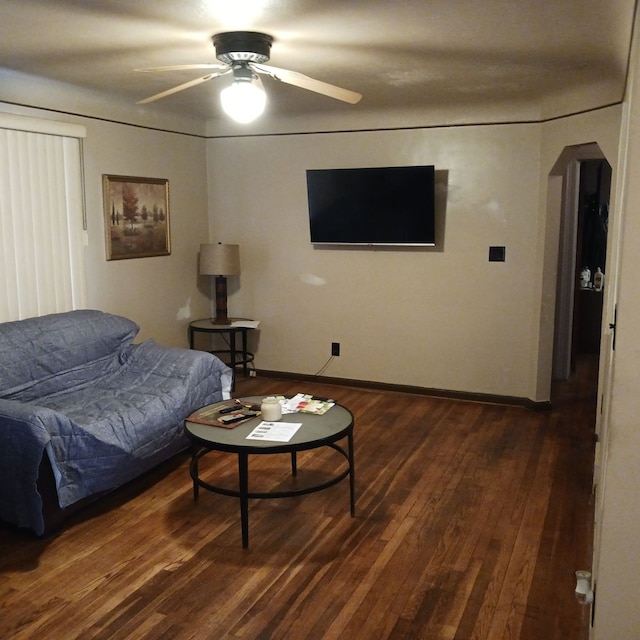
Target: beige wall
443,318
439,318
160,293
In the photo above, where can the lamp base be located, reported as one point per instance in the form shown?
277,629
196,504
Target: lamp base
221,302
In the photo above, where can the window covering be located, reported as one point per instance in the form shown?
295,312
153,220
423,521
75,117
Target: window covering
41,218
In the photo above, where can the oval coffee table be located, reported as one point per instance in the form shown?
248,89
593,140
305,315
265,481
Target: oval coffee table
316,431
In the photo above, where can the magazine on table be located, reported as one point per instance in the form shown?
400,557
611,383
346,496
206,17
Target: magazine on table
306,403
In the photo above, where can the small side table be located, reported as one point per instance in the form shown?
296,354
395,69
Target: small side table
236,357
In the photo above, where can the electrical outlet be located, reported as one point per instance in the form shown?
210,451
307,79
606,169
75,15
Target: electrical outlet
335,348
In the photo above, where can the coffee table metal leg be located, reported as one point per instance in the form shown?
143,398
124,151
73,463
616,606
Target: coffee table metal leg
294,464
194,475
243,474
352,480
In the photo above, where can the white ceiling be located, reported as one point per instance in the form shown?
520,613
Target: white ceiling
397,53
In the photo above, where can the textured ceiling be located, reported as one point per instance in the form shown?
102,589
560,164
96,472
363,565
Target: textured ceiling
402,53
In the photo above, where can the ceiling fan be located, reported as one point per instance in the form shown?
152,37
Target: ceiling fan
243,54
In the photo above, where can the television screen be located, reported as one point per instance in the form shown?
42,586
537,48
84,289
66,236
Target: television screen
372,206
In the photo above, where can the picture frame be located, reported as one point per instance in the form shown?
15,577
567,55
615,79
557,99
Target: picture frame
136,216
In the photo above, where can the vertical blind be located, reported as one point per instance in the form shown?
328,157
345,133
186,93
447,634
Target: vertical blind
41,218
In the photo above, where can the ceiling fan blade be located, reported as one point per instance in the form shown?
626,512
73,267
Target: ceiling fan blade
184,67
305,82
181,87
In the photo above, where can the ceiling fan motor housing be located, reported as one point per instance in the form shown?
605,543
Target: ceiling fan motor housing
242,46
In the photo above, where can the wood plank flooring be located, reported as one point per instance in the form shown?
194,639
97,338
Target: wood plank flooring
470,522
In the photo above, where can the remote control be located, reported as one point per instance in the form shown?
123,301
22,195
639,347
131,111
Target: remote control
228,410
232,419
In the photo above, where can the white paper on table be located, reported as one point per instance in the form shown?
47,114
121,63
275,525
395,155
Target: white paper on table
274,431
247,324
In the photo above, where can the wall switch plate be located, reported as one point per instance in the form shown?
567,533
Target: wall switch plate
497,254
335,348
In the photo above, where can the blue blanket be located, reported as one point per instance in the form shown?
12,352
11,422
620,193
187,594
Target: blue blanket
102,422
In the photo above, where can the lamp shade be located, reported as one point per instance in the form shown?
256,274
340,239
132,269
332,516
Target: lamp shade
219,259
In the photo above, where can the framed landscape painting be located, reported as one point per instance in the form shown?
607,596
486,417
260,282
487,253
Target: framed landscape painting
136,212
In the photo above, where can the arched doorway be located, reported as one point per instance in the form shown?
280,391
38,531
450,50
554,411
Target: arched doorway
586,185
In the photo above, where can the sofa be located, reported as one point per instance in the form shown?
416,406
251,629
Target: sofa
84,409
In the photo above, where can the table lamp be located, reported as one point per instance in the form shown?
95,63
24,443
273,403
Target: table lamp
220,260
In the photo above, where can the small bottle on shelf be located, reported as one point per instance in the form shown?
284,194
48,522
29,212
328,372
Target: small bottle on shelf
585,278
598,280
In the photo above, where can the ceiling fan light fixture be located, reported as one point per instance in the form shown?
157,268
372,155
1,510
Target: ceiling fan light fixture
245,99
244,53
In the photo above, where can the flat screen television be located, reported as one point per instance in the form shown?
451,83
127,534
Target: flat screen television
391,206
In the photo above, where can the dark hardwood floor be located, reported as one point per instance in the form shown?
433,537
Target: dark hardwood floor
470,522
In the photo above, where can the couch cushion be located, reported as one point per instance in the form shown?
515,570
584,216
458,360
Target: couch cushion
41,355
